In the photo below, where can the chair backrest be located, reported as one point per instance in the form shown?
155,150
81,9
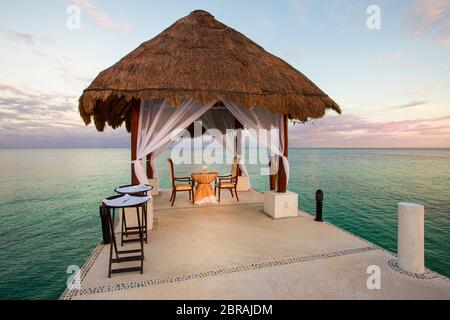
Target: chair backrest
171,170
234,169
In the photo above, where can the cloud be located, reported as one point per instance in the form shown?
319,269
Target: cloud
99,17
21,37
409,105
23,107
431,17
395,58
445,40
349,131
429,12
69,71
31,118
62,137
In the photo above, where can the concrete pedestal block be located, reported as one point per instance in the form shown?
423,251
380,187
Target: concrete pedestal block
281,205
411,237
243,184
154,182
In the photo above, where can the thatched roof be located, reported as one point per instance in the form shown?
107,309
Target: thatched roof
202,59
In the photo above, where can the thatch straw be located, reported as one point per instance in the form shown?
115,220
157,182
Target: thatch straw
202,59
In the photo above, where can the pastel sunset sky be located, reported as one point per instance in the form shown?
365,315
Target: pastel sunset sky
392,84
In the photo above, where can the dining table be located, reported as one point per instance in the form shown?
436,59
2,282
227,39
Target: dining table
204,193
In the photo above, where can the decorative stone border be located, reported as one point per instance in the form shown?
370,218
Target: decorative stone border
428,275
393,263
212,273
68,294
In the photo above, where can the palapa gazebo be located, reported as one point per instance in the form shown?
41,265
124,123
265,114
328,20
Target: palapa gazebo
194,65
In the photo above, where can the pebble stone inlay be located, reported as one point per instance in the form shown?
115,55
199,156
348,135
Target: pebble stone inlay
393,263
428,275
218,272
68,294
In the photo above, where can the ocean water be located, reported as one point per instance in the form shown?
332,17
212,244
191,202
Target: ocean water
49,203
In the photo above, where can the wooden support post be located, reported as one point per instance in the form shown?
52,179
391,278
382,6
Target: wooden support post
149,167
282,178
238,125
135,107
272,179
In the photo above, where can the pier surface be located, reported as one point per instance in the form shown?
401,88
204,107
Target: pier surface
235,251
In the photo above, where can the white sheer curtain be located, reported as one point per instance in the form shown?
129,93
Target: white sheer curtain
261,118
223,119
155,154
159,124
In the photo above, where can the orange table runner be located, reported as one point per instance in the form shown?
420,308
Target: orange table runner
203,191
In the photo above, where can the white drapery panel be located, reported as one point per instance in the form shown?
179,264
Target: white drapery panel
261,118
155,154
223,119
159,124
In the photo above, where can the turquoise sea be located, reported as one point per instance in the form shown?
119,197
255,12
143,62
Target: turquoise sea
49,203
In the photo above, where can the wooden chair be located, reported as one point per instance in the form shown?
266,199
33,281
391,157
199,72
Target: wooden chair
228,182
188,184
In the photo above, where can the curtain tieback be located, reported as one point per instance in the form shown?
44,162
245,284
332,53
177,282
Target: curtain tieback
140,160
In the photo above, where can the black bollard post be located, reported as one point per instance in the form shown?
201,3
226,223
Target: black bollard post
319,202
104,216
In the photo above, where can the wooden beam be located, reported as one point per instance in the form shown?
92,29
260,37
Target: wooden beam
238,125
135,107
149,167
282,178
272,179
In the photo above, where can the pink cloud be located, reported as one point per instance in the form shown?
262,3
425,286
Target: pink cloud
100,17
430,11
432,17
354,132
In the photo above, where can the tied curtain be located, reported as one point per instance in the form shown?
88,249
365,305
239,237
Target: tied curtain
222,119
160,124
256,119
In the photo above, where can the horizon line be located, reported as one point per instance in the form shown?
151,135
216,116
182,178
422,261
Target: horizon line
87,147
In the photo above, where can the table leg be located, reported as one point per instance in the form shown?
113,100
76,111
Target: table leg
140,239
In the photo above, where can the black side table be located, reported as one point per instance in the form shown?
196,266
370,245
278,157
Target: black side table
133,190
122,202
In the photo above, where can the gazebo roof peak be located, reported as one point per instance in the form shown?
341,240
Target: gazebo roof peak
202,59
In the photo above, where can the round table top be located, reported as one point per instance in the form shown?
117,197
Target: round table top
204,178
134,189
126,201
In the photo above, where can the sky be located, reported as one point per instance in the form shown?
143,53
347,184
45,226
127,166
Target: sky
391,77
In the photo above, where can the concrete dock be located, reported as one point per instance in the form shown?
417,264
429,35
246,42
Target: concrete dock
235,251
